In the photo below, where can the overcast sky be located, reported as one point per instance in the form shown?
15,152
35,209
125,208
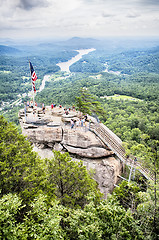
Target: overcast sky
83,18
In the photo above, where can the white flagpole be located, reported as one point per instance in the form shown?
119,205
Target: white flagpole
33,97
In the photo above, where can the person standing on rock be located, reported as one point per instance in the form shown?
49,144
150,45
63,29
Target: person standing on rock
81,122
43,108
31,104
72,124
77,123
28,104
84,124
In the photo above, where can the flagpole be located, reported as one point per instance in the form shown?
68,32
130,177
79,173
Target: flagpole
33,97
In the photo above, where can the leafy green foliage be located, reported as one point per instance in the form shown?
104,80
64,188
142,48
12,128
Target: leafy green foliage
143,204
90,65
136,123
71,180
148,213
126,194
43,221
33,212
136,61
22,172
107,220
84,102
19,165
10,207
87,104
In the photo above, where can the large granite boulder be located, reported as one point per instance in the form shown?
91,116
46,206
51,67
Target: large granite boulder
44,134
51,132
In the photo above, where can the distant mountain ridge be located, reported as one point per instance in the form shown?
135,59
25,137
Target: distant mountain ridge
77,40
5,50
79,43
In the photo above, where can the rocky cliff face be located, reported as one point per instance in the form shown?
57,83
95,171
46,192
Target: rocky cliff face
52,130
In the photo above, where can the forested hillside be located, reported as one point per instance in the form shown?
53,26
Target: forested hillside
136,61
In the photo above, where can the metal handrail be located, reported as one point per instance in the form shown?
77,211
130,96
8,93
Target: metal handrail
109,140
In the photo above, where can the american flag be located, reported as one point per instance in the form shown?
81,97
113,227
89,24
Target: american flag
33,76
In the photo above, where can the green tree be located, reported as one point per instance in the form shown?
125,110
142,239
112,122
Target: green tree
88,104
43,220
84,101
148,212
81,223
10,208
127,195
21,170
71,181
106,220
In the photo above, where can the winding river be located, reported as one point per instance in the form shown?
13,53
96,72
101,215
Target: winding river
42,86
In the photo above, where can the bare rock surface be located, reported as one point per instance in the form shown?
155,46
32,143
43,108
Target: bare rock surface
80,137
105,172
52,131
91,152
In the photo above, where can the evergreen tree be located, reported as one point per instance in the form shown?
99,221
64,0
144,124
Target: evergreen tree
20,169
88,104
71,181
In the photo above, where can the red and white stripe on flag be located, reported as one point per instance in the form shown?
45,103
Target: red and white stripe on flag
34,76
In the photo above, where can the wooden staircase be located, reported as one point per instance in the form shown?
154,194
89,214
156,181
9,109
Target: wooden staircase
115,145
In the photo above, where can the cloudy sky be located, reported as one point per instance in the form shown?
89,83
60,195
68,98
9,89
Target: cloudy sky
83,18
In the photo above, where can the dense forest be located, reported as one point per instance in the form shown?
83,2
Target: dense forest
57,198
124,80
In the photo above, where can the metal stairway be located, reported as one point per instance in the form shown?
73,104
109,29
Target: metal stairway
115,144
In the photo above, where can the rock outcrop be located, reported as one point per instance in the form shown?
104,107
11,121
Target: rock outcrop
52,130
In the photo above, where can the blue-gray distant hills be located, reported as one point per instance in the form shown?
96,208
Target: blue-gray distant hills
5,50
71,44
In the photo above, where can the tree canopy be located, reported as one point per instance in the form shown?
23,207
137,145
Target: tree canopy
88,104
57,198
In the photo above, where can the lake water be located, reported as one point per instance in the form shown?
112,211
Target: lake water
64,66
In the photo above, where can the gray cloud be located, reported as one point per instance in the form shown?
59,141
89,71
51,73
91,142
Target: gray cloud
29,4
132,15
128,2
107,15
150,2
